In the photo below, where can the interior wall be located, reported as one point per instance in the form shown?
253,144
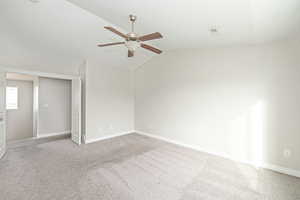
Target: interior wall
20,121
109,101
25,57
54,106
113,83
240,102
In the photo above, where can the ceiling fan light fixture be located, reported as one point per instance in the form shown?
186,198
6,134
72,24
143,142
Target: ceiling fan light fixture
132,45
133,40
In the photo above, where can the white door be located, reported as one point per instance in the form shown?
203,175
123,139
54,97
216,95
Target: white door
2,113
76,110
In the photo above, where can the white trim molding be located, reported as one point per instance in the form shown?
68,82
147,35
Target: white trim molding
88,141
41,135
272,167
282,170
37,73
35,106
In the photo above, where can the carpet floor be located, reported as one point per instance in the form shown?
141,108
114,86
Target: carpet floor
134,167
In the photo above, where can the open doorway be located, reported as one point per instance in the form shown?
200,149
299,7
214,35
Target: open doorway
67,115
39,107
19,106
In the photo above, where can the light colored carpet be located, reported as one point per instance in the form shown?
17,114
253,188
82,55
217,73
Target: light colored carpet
134,167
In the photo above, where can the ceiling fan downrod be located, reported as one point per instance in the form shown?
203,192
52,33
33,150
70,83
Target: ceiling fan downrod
132,19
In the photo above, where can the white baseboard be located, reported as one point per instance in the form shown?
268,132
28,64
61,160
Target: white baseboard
53,134
272,167
107,137
282,170
194,147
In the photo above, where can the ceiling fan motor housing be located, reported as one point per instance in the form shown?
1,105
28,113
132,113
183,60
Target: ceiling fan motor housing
132,36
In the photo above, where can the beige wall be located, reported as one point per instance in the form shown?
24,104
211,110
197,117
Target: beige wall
240,102
54,106
20,121
109,101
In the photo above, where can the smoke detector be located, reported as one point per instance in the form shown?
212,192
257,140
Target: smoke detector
214,31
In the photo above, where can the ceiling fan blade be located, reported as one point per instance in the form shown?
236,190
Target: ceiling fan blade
151,36
150,48
130,53
116,31
110,44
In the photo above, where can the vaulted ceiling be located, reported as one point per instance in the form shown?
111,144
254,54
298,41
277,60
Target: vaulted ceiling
57,33
68,31
186,23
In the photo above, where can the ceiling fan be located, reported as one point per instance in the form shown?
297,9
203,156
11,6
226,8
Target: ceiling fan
133,40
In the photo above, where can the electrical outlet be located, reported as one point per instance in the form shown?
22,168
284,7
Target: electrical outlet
287,153
110,127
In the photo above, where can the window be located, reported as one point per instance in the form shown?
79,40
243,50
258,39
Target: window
11,98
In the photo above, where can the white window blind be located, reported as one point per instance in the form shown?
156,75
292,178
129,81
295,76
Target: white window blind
11,98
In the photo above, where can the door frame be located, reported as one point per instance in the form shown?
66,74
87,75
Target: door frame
3,114
7,69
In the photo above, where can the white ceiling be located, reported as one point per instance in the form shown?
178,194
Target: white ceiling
186,23
61,31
